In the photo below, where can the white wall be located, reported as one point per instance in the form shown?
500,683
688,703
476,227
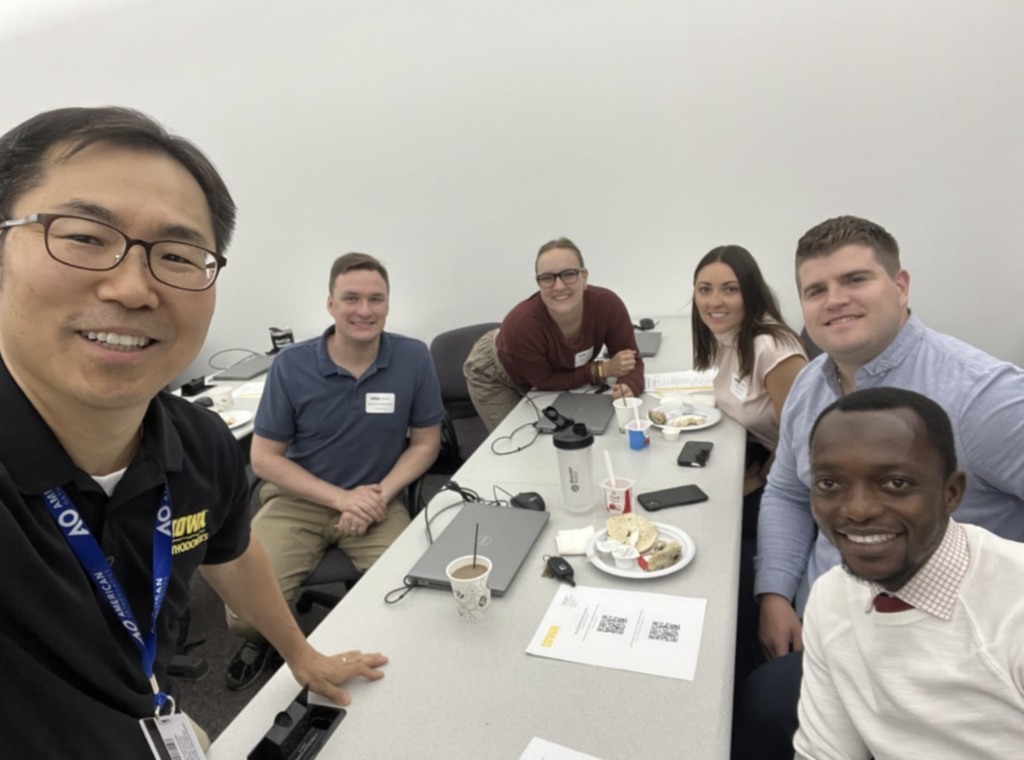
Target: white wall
451,138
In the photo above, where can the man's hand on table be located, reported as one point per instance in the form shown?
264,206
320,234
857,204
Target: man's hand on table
779,627
323,674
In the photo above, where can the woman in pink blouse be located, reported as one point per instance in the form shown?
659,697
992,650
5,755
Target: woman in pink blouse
737,328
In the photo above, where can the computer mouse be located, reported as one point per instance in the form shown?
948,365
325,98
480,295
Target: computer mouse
528,500
204,401
646,324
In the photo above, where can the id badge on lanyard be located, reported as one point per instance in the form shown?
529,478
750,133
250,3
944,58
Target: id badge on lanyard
92,559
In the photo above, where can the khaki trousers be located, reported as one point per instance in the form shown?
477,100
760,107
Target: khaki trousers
491,390
297,532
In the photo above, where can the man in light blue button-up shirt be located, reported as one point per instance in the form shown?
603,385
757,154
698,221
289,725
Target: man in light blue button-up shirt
855,305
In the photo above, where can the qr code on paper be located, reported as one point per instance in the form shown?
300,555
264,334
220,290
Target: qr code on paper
664,632
611,624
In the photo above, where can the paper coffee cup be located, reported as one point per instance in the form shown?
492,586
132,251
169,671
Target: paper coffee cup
471,585
624,410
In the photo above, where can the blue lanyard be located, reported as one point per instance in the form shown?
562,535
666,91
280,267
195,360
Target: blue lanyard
92,559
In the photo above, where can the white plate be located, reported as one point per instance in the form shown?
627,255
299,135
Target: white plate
665,533
713,416
236,418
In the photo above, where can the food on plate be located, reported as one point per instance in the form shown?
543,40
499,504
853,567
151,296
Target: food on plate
658,418
702,399
633,530
664,554
688,420
229,419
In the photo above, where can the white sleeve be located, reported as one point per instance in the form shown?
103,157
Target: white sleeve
826,731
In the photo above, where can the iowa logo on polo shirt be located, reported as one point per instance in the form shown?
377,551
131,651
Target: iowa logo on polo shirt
189,532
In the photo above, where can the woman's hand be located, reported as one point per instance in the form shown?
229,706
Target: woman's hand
621,390
621,364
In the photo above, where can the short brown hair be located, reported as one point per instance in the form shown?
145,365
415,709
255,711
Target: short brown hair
562,242
348,262
831,235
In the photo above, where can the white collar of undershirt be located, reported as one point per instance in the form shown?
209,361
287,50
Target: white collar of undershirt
109,482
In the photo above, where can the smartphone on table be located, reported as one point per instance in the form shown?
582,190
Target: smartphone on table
695,454
671,497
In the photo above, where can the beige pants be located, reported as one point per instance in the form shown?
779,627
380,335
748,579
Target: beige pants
296,532
491,390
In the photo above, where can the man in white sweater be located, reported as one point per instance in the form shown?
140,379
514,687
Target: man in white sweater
914,647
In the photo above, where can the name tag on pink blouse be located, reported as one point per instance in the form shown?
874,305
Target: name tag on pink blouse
739,387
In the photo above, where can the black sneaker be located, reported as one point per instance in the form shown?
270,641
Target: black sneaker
247,665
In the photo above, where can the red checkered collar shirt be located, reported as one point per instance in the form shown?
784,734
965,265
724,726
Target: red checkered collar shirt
934,587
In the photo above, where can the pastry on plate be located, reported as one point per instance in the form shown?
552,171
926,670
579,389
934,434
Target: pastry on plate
664,554
688,420
633,530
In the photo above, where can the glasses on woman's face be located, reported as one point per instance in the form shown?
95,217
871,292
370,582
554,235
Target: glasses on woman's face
568,276
88,244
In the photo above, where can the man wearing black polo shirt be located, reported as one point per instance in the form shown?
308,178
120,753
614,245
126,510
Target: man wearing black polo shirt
112,493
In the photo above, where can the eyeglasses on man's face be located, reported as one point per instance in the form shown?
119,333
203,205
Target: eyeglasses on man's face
568,276
87,244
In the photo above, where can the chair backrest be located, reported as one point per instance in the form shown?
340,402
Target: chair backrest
450,351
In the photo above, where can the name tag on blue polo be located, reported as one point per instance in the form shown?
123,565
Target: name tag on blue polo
380,403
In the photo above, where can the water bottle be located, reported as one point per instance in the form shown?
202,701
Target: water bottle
575,445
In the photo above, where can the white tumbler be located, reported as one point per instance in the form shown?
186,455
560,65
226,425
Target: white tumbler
575,446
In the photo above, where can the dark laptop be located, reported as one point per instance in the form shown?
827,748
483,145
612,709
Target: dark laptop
647,342
247,369
506,536
593,409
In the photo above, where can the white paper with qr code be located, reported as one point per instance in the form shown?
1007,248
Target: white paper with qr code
626,630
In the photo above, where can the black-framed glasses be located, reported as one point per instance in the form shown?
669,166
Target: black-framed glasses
87,244
568,276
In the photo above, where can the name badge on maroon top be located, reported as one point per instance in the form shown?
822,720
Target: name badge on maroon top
583,357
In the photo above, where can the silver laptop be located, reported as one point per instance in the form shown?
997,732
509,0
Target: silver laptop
248,368
593,409
506,535
647,342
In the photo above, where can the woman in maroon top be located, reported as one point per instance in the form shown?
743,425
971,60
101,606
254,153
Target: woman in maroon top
551,340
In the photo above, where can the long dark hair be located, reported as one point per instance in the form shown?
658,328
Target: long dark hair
761,314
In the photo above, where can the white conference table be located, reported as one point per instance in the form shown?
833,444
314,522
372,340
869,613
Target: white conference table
240,403
468,690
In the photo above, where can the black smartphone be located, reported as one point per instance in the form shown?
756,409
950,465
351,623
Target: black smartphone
695,454
671,497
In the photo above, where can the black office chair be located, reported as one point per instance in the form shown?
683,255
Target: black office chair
334,567
450,351
462,430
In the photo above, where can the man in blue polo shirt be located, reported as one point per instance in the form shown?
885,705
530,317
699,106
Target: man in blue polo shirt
347,421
